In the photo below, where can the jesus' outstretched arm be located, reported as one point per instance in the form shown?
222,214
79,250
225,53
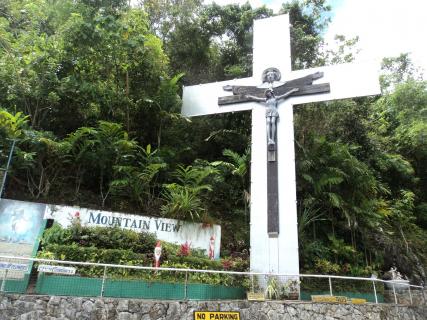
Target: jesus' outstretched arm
255,98
287,93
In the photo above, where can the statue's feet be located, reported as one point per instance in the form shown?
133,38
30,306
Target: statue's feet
271,145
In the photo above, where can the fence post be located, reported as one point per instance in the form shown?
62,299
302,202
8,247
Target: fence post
185,285
6,170
330,286
394,292
422,291
410,294
252,283
4,281
375,292
103,281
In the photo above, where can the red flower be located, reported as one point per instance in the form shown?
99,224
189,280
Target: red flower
227,264
185,249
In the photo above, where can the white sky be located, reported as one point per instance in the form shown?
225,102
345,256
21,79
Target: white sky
385,28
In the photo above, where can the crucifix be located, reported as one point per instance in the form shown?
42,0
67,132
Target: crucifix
273,229
271,97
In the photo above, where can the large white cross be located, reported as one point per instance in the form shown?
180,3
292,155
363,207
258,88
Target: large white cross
271,48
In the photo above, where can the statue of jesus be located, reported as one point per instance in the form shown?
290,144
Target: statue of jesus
271,113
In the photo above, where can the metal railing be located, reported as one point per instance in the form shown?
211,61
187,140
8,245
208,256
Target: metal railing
120,280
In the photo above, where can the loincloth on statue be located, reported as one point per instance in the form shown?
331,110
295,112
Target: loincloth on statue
271,112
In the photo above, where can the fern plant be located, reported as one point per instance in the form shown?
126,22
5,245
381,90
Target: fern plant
184,197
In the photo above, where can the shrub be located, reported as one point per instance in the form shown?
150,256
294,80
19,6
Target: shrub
74,252
125,247
196,263
324,266
100,237
56,235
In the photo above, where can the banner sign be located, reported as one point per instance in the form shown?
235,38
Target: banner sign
200,236
13,266
329,299
56,269
217,315
20,225
256,296
358,301
337,299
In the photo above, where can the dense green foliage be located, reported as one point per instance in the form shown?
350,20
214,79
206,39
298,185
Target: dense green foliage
91,92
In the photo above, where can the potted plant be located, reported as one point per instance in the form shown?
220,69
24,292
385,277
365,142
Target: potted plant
290,289
272,288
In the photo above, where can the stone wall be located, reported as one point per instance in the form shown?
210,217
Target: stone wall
29,307
405,297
